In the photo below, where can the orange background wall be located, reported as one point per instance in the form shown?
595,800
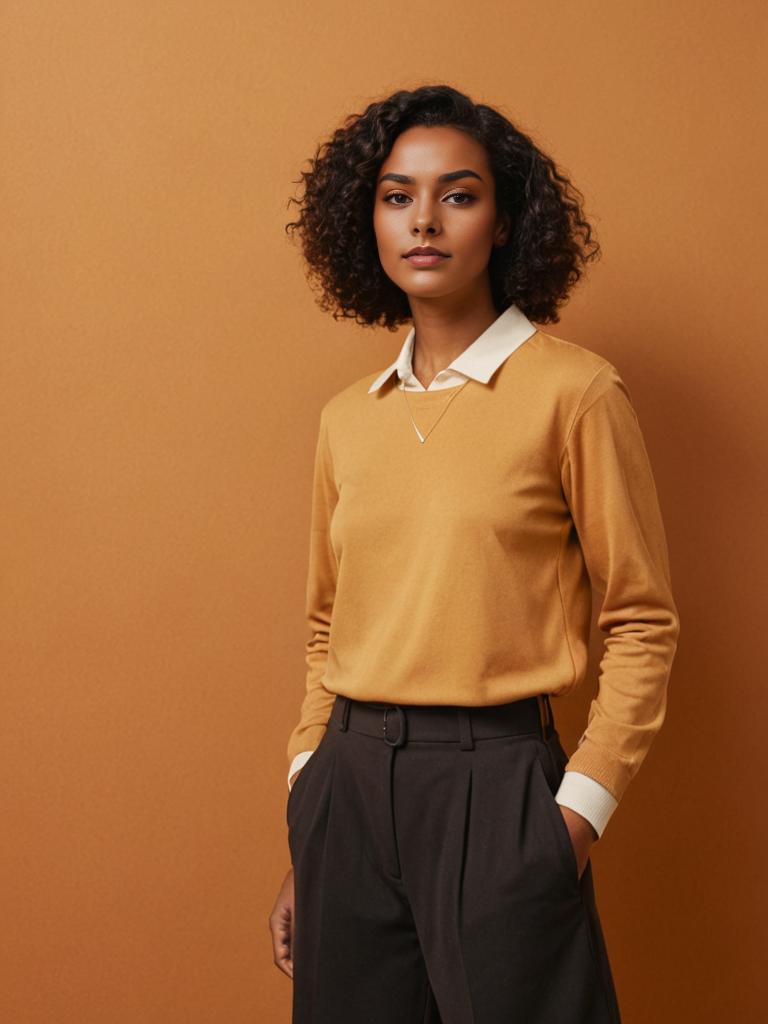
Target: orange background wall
163,363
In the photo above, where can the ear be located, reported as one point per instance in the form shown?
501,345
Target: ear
503,229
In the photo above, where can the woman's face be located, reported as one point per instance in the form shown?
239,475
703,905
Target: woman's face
413,207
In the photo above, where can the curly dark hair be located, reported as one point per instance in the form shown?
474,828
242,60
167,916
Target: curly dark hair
535,270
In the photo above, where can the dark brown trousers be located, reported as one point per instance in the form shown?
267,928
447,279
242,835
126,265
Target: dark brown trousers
435,879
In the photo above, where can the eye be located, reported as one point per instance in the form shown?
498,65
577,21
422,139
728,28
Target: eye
452,195
395,195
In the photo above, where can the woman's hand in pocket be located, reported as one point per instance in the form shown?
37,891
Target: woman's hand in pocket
582,834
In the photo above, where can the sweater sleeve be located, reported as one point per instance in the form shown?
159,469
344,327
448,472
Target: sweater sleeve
321,587
608,483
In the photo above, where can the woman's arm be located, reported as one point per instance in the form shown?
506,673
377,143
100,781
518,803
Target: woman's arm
321,588
608,483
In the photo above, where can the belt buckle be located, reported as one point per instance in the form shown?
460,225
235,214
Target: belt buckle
401,737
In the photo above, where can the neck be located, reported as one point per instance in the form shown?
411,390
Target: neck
442,334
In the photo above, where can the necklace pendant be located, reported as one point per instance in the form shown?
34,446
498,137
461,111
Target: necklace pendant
423,437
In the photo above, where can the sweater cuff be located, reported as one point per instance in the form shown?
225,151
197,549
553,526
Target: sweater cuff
603,765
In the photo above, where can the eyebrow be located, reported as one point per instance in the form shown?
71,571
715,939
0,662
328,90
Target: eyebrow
404,179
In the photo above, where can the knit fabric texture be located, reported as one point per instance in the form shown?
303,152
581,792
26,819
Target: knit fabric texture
462,570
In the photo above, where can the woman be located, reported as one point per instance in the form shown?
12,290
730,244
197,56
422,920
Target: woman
466,500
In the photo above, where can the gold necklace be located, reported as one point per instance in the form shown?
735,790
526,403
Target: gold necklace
423,437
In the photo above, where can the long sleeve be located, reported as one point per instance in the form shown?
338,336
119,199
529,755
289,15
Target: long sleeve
608,483
321,588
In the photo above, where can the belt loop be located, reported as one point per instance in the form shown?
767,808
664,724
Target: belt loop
466,741
543,714
344,714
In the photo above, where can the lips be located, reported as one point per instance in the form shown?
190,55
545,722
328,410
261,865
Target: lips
425,256
425,250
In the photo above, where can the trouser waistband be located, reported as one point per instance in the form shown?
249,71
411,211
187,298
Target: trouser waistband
396,724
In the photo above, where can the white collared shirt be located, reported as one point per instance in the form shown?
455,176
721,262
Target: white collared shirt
479,361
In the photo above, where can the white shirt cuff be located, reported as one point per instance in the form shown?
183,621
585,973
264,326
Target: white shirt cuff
588,798
298,762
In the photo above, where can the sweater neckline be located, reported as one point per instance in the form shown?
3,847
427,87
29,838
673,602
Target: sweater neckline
436,393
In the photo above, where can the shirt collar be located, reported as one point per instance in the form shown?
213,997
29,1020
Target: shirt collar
480,359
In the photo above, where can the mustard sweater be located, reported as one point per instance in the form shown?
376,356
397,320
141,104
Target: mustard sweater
460,570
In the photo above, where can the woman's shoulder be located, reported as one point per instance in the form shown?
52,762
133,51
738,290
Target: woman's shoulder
347,398
580,376
569,358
